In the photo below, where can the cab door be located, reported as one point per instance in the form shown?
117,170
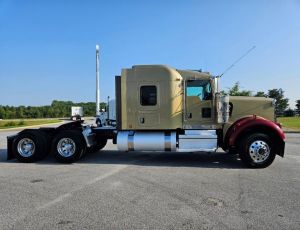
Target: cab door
198,105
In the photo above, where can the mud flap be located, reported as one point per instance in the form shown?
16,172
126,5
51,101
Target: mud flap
10,140
281,149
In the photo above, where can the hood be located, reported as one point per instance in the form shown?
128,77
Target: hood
245,106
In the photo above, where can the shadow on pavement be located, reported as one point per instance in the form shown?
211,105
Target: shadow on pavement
163,159
3,155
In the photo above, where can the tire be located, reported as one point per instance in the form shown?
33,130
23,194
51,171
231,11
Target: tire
98,122
257,151
30,146
68,146
95,148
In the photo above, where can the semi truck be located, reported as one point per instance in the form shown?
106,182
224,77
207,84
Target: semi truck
160,108
108,117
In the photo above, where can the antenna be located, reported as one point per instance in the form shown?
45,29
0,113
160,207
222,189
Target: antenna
237,60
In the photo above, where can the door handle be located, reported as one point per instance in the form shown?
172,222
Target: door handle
142,120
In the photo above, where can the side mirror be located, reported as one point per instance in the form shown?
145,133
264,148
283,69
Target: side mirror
215,83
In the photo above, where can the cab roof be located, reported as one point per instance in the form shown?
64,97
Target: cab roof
186,74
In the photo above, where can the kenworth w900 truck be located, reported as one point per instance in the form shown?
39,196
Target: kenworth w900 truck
159,108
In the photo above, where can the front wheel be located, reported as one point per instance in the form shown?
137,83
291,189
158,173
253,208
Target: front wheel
257,151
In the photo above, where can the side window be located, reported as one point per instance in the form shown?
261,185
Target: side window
199,88
148,95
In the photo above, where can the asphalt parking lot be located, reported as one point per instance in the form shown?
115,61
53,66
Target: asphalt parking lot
118,190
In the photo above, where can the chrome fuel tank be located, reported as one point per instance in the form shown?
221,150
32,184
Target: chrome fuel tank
146,141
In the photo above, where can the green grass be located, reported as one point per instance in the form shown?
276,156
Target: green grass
291,123
5,124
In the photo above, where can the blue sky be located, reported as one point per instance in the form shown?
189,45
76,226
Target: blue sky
47,48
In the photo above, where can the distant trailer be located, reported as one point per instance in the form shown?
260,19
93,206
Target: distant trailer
76,113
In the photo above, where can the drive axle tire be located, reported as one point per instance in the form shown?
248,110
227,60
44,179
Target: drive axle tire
97,147
257,150
98,122
30,146
68,146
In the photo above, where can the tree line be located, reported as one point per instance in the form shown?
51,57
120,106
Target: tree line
55,110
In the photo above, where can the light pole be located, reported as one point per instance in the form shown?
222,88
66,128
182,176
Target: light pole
107,108
97,82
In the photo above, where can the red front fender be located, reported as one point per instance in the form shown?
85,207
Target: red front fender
253,124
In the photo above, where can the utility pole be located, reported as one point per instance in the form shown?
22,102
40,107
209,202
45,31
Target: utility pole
97,82
107,108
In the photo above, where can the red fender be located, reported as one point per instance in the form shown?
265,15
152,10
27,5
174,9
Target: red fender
247,123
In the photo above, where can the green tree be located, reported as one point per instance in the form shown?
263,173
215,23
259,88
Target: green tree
281,102
260,94
20,112
289,113
56,109
236,91
2,112
298,107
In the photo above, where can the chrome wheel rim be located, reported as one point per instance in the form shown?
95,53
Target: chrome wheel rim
259,151
26,147
66,147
